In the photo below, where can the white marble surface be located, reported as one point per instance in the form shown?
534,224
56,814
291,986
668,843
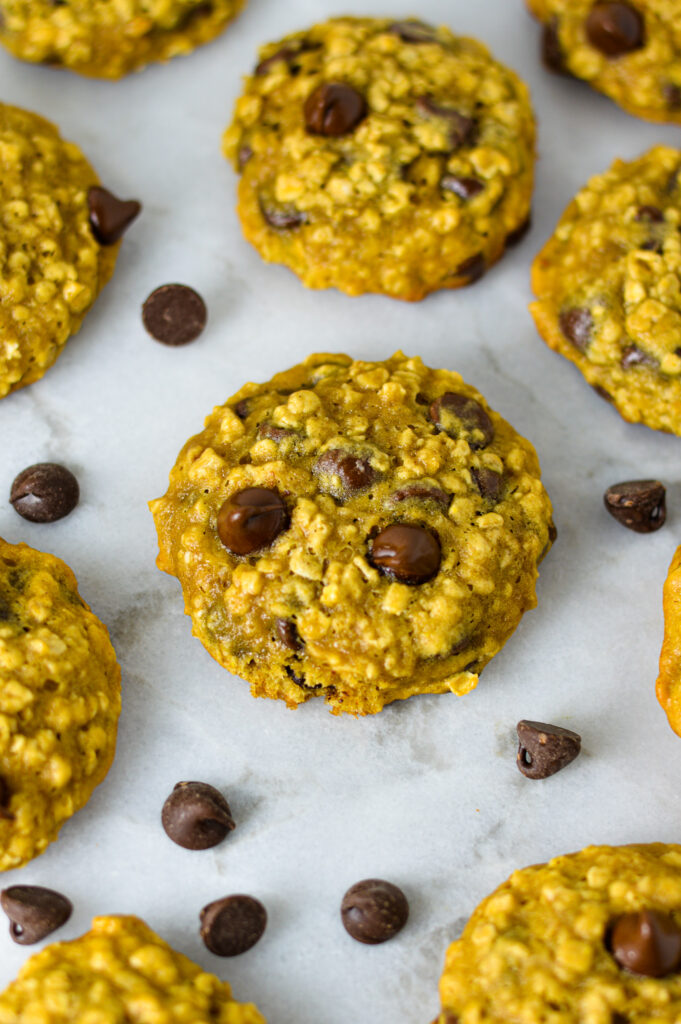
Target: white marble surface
427,793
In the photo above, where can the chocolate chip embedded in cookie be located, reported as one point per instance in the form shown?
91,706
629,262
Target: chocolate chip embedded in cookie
382,156
359,531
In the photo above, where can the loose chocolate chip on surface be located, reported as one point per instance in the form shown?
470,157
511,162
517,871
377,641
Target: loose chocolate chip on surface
634,356
551,50
576,324
355,473
473,268
109,216
374,911
650,213
281,218
288,634
34,912
615,28
413,31
462,129
462,417
464,188
409,554
488,482
251,519
421,492
639,505
544,749
174,314
232,925
196,816
45,492
334,109
647,942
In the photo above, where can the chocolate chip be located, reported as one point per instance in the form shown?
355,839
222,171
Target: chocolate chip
577,324
488,483
196,816
34,912
464,188
44,492
251,519
462,417
551,50
268,430
422,492
109,216
288,634
355,473
473,268
651,245
232,925
637,504
334,109
462,129
298,679
650,213
634,356
544,749
242,408
517,235
615,28
5,796
672,95
646,942
374,911
602,393
408,554
243,156
288,54
282,217
414,31
174,314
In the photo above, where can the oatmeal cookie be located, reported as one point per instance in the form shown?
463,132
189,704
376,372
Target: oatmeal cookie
589,938
669,679
107,40
358,531
608,285
59,234
59,701
382,156
119,971
629,51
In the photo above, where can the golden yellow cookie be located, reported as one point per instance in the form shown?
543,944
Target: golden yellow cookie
59,701
548,946
382,156
608,287
355,530
669,679
106,39
117,973
631,51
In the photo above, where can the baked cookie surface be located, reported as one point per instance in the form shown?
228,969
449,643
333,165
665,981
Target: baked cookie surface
608,287
119,971
353,530
630,51
540,948
382,156
107,40
59,701
669,679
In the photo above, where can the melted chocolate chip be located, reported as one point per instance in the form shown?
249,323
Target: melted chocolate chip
488,483
109,216
34,912
517,235
602,393
672,95
174,314
45,492
551,50
269,431
334,109
408,554
650,213
355,473
462,129
615,28
651,245
288,634
374,911
473,268
634,356
287,54
232,925
5,797
647,942
640,505
282,217
414,31
544,749
422,492
577,324
241,409
196,816
462,417
251,519
464,188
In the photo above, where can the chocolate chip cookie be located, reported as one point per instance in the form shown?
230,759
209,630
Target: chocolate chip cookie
382,156
669,679
59,697
59,238
119,971
608,287
592,936
631,51
360,531
107,40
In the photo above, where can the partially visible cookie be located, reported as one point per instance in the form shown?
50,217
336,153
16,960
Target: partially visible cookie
608,287
589,938
359,531
59,233
631,50
59,698
669,679
382,156
107,40
119,971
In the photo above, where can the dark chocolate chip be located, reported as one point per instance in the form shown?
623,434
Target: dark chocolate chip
488,483
577,324
544,749
551,50
196,816
602,393
251,519
615,28
288,54
44,492
288,634
672,95
637,504
517,235
462,129
374,911
473,268
464,188
241,409
634,356
298,679
652,245
414,31
334,109
232,925
268,430
422,492
646,942
243,156
282,217
355,473
34,912
174,314
462,417
5,797
110,217
408,554
650,213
